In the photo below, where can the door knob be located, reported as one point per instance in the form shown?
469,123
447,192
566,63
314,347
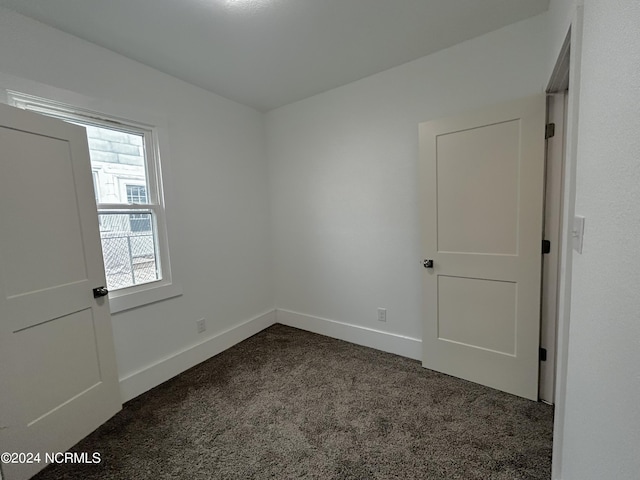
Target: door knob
100,292
427,263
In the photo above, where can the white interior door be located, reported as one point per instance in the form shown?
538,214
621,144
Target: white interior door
58,374
482,177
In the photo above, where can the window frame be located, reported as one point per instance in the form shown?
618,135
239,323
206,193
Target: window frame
146,293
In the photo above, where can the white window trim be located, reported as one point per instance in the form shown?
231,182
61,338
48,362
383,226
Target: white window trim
147,293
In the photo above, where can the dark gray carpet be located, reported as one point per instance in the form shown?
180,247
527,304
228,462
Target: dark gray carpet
287,404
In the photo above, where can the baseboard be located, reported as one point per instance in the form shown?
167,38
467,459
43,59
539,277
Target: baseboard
368,337
139,382
145,379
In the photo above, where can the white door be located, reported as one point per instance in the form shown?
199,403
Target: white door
58,378
481,179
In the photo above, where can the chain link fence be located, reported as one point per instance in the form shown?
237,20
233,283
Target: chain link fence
129,255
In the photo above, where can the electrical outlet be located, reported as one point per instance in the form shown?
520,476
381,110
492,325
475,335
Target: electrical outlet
382,314
202,326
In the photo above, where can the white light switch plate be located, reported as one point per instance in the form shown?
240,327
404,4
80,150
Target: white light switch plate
578,233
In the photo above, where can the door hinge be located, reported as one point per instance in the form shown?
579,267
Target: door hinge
546,246
543,354
550,130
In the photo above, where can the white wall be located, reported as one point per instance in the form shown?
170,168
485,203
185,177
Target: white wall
343,170
602,413
218,205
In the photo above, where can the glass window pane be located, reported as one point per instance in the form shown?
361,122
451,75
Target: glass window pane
129,249
119,157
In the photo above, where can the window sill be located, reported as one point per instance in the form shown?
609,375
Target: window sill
125,299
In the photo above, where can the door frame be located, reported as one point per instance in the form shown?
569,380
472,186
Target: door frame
552,228
568,64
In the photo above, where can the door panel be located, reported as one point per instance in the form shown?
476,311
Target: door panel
481,212
476,214
40,169
58,375
463,302
61,368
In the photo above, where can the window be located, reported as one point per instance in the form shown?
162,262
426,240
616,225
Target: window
138,222
129,198
136,194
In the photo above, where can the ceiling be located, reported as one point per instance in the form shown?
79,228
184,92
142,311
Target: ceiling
267,53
